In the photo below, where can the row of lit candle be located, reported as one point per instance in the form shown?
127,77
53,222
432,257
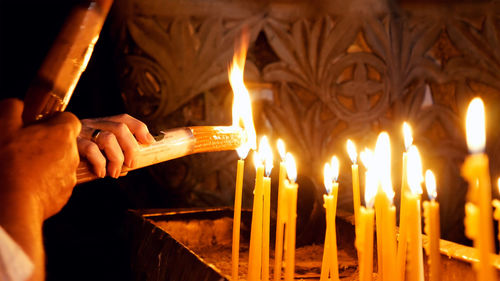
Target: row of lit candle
392,253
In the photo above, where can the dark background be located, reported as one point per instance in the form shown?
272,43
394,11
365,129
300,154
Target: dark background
85,241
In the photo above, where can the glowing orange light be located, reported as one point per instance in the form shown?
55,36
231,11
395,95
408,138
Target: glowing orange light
430,184
351,150
475,126
242,106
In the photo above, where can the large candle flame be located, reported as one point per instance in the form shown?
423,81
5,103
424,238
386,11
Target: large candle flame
351,150
414,170
475,126
328,178
370,188
267,154
281,149
291,167
366,157
407,135
242,106
335,168
430,184
383,163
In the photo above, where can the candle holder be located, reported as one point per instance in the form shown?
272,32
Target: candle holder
195,244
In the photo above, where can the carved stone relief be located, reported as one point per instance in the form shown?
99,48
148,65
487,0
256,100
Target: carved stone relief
336,70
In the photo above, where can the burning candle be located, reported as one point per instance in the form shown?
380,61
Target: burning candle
385,212
268,165
242,116
242,153
403,222
291,198
476,171
280,220
364,235
329,264
431,219
255,252
415,178
353,155
496,204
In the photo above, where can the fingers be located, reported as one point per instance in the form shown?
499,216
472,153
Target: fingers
92,153
119,138
109,143
124,137
11,111
138,128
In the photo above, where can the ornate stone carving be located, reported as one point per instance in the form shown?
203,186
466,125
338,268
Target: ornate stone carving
338,70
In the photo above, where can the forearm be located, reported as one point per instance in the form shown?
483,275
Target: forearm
22,218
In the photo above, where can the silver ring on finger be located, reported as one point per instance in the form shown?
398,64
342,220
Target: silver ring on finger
95,135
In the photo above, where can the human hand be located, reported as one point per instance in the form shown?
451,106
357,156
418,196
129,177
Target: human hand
118,138
37,162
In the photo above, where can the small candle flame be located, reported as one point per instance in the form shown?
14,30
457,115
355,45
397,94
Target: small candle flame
370,189
242,106
335,168
383,163
366,157
414,170
328,178
351,150
257,159
407,135
475,126
267,154
243,150
498,185
291,167
430,184
281,149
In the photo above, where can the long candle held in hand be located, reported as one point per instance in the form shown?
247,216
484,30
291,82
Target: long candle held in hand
431,218
415,178
476,171
280,220
291,196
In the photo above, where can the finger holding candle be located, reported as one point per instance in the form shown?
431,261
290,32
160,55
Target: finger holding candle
431,219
